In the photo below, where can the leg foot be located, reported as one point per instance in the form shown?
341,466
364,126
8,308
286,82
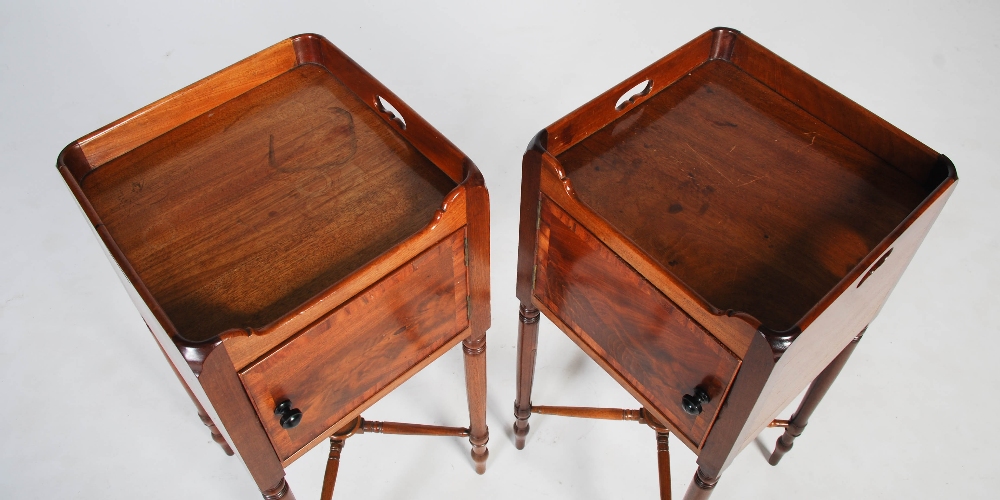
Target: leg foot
701,486
475,384
332,466
813,396
663,463
527,346
521,428
280,491
479,455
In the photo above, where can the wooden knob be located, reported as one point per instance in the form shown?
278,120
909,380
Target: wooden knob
288,417
692,402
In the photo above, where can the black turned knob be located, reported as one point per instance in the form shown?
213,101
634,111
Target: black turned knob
288,416
692,403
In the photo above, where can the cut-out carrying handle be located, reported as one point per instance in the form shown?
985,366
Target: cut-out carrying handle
389,110
631,95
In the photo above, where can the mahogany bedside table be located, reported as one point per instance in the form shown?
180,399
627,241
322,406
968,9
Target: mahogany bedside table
297,247
717,232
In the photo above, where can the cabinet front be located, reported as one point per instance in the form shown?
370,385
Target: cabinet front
665,356
341,362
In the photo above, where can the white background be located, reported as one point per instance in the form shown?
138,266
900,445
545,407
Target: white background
91,409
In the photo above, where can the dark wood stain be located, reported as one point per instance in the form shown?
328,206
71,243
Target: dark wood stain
638,331
755,163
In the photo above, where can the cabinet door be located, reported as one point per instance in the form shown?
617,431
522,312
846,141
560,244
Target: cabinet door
635,330
340,362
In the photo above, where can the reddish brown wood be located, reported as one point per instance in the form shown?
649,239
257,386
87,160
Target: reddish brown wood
362,346
764,216
477,251
527,347
202,414
587,412
196,99
799,420
244,210
701,487
710,215
376,427
663,463
630,324
214,369
281,491
332,466
475,386
300,162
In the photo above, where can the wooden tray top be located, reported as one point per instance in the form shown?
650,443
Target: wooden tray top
243,213
754,203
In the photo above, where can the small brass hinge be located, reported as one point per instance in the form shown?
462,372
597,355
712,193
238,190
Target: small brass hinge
466,251
468,307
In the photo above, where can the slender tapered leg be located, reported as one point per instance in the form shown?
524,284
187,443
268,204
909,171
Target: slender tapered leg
663,463
701,486
475,384
811,400
202,414
280,491
527,347
332,466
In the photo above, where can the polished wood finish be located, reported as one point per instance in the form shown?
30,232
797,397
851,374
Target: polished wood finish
663,464
274,224
657,348
376,427
718,222
277,149
332,467
280,491
701,486
588,412
375,337
732,226
202,414
795,425
527,347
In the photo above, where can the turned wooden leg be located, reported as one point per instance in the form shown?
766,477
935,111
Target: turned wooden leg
280,491
527,347
810,401
332,466
701,486
202,414
663,463
475,384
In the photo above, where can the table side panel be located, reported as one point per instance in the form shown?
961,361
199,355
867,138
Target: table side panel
161,116
633,327
344,360
834,328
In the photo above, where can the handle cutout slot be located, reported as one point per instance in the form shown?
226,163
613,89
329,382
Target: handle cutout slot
875,266
630,96
388,109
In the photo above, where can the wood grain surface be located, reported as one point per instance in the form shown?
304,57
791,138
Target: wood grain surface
629,323
756,205
249,210
345,359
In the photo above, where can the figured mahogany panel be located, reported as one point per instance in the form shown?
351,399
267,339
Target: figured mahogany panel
245,212
363,346
634,328
756,205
